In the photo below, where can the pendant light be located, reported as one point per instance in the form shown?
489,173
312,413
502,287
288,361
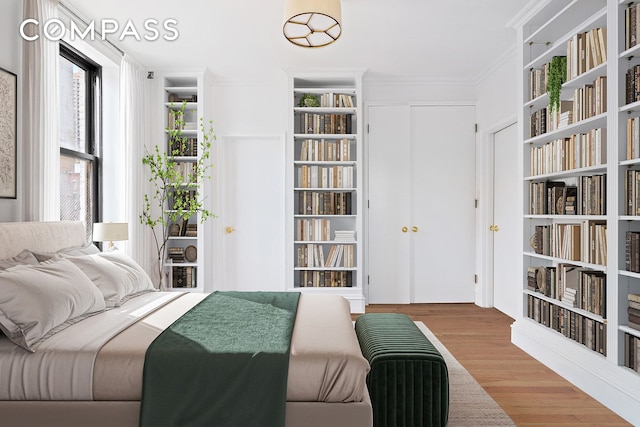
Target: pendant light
312,23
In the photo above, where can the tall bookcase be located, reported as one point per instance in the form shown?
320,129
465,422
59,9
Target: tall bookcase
576,274
324,201
187,93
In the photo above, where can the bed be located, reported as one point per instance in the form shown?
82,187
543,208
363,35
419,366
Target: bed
89,370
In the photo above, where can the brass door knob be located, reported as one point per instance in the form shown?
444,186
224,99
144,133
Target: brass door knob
229,230
493,228
405,229
414,229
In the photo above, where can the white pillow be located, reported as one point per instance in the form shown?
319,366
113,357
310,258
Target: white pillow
24,257
141,281
88,249
38,300
114,282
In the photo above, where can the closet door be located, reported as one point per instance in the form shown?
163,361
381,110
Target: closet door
442,203
388,266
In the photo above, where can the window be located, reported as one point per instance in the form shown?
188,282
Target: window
79,94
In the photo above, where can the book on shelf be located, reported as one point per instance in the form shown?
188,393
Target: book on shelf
325,279
184,277
333,100
590,100
538,79
632,352
569,153
584,241
183,147
631,25
585,51
632,192
344,236
538,122
633,138
632,251
313,176
584,330
324,203
318,229
175,253
327,123
322,150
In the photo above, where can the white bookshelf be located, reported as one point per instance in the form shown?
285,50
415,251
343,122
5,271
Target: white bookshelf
600,372
333,130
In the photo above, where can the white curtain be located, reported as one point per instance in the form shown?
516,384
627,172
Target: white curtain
134,119
40,118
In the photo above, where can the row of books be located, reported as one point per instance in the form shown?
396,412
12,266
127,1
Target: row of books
181,197
588,197
586,51
633,311
325,279
552,198
632,84
631,25
572,285
175,253
314,150
313,255
585,241
590,100
175,119
184,277
632,251
187,147
313,229
538,78
316,123
571,152
324,203
312,176
332,100
185,229
632,192
175,98
584,330
633,138
632,352
538,122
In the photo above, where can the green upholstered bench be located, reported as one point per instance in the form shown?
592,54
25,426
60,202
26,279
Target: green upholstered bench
408,382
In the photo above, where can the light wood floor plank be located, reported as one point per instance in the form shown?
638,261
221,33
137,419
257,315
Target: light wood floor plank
532,394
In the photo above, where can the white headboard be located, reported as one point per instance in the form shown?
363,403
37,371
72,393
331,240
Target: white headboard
39,236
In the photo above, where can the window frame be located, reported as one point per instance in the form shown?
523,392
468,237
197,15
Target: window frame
93,128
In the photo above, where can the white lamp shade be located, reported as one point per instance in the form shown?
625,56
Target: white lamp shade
110,231
312,23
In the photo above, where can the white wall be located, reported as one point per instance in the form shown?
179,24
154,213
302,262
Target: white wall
11,60
497,90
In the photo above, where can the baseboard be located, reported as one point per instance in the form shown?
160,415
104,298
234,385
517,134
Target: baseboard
616,387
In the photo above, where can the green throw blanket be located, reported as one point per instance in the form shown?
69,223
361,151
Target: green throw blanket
223,363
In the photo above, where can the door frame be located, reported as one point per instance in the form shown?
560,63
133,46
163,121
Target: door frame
484,215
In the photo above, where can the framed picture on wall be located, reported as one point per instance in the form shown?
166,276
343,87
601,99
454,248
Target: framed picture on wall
8,141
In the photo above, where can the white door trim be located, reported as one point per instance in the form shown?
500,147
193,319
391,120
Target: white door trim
484,217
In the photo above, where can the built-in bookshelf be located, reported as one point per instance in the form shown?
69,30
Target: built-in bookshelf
581,222
183,107
325,197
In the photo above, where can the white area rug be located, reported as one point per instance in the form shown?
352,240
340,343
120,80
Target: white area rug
469,404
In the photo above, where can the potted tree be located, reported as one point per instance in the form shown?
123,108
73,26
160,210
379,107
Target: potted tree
176,196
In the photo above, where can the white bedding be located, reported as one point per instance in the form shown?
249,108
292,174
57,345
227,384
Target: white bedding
66,359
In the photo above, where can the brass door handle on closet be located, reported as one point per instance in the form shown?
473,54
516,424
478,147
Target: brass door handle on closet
229,230
405,229
414,229
493,228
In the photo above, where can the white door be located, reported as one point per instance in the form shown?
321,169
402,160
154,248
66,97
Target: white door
443,203
506,211
252,218
388,184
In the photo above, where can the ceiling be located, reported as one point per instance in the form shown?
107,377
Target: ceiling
401,40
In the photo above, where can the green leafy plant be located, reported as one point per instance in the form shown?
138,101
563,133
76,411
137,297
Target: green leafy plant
557,76
309,100
176,196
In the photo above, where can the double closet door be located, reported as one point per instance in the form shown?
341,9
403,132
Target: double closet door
421,192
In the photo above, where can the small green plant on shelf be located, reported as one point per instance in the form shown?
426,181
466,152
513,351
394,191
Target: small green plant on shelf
557,76
309,100
176,195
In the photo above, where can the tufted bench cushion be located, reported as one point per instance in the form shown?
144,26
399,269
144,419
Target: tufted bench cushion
408,381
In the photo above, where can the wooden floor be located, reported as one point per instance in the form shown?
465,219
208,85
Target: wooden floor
532,394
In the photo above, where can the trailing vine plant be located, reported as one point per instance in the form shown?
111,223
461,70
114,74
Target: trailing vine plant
557,76
175,196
